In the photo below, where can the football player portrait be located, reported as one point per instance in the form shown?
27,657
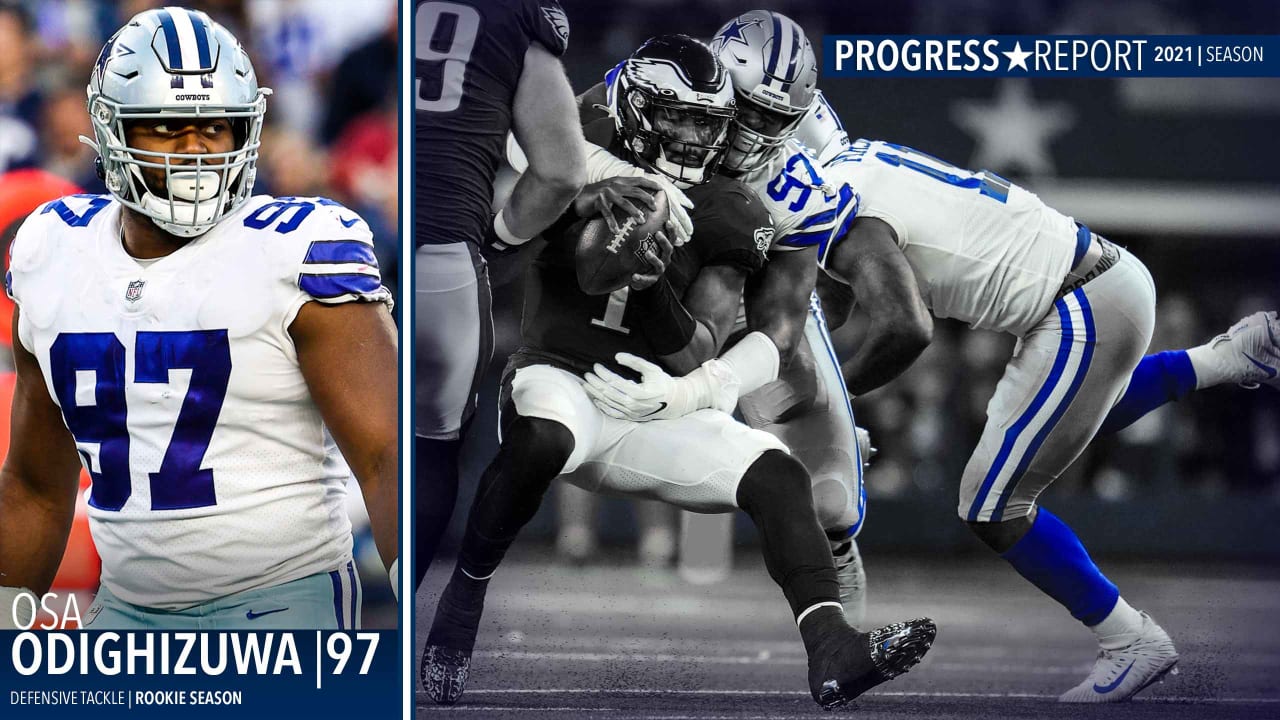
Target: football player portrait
210,356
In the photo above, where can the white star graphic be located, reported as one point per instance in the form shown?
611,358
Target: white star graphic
1012,131
1017,56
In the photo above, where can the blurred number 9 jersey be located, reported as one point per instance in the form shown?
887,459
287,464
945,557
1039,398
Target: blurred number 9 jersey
180,383
468,57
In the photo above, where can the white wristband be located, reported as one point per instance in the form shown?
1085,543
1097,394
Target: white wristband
515,155
504,233
755,360
719,382
16,614
602,165
394,575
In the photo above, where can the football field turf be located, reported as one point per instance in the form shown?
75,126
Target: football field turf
610,641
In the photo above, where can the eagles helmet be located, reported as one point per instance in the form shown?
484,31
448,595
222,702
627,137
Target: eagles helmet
174,62
672,104
775,77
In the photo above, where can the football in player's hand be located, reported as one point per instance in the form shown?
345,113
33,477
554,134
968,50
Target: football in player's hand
606,260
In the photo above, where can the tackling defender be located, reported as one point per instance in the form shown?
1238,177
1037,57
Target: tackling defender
677,103
190,343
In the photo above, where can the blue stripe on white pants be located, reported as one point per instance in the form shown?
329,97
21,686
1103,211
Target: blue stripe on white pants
346,597
1120,308
1086,357
832,362
1024,437
336,578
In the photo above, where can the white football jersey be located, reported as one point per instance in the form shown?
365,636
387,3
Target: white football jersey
180,383
806,209
983,250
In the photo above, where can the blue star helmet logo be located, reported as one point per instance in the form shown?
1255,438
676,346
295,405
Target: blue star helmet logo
734,33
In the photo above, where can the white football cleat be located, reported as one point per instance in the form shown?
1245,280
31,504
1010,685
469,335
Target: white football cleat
852,577
1120,674
1250,350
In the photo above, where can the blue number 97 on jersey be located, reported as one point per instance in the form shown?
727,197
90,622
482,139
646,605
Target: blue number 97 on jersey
88,373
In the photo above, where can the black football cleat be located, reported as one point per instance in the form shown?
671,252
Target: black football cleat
444,673
446,660
845,667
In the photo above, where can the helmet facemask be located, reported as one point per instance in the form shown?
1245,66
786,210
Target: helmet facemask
681,140
757,131
185,194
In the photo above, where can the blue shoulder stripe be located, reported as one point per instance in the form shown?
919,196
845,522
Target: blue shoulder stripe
819,219
805,239
846,196
334,252
332,286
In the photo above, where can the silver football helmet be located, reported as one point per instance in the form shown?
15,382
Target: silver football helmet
176,63
775,76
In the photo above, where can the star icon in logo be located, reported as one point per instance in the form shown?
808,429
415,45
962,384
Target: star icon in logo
1017,56
1012,132
734,32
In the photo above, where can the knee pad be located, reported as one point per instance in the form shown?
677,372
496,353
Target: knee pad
552,394
1000,536
774,479
836,509
537,446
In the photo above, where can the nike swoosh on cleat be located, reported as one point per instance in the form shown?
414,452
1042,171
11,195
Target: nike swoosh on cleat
1103,690
1270,371
251,615
661,407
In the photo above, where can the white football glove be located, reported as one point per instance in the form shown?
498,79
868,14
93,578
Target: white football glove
679,226
602,164
658,396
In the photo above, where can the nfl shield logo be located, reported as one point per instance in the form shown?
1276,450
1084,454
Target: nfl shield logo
134,292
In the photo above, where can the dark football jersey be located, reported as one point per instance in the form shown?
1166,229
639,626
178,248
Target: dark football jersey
468,56
565,327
